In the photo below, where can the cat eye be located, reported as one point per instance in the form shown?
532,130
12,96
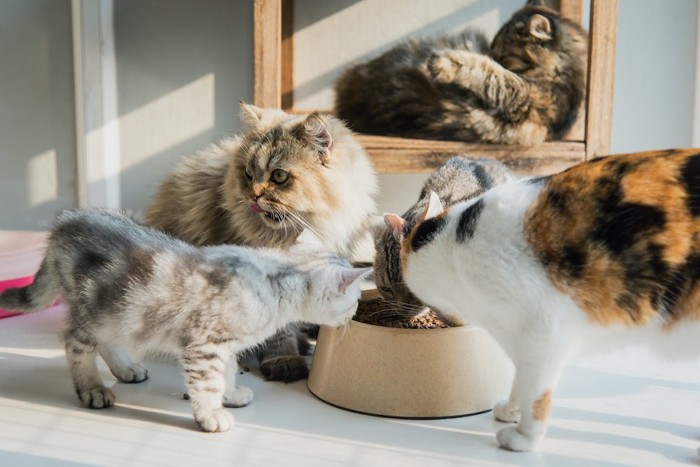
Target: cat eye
248,173
279,176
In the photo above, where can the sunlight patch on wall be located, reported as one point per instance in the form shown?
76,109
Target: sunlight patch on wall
42,174
168,121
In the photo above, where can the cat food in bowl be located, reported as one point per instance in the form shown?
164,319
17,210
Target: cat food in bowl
416,371
20,256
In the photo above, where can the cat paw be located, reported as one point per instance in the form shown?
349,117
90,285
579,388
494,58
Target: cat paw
98,397
504,413
510,438
133,374
216,421
445,65
238,397
288,368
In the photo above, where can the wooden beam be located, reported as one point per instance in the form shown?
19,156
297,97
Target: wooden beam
400,155
601,77
571,9
267,53
287,69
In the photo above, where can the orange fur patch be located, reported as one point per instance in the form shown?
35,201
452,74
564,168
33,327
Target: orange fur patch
542,407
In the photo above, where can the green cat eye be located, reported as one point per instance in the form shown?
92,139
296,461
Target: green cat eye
279,176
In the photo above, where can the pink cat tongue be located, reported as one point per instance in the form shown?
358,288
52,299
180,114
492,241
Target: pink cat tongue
256,208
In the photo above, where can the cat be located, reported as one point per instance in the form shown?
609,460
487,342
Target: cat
132,290
606,253
283,174
458,179
525,88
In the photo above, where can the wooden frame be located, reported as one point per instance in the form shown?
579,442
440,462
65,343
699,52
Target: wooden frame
273,57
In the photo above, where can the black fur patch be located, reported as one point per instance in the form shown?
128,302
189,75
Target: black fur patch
573,261
426,232
468,220
619,222
678,284
690,174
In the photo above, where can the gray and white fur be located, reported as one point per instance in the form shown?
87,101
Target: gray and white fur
132,290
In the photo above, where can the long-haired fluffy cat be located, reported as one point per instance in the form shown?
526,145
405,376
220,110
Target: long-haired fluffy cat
284,173
525,88
458,179
133,290
606,253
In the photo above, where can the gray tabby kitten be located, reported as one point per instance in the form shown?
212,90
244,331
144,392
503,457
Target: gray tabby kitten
131,289
457,180
525,88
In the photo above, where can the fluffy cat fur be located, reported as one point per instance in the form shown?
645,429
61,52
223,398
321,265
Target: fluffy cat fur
284,173
131,290
527,87
604,254
459,179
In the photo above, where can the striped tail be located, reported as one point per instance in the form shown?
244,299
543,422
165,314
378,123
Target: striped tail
36,296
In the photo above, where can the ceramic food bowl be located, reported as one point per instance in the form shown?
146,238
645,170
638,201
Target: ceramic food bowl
409,373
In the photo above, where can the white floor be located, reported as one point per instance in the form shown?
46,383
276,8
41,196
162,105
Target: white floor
620,410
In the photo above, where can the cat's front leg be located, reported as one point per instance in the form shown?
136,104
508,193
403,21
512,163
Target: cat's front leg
537,371
480,75
235,396
508,411
205,374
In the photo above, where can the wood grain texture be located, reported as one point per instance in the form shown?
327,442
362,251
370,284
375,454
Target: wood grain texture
267,53
601,77
401,155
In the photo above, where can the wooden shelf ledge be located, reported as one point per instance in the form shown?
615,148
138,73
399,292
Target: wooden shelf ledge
401,155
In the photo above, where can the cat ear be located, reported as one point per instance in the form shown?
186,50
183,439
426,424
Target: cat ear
376,226
348,276
313,133
433,209
250,115
540,28
307,237
396,225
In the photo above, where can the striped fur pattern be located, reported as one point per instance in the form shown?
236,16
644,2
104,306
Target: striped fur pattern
604,254
525,88
132,290
457,180
283,174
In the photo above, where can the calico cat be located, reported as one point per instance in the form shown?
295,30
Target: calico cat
133,290
605,253
283,174
457,180
525,88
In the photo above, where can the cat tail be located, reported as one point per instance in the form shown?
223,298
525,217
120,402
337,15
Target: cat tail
37,295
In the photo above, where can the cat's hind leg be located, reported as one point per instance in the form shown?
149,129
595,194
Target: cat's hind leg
235,396
537,371
81,352
120,364
205,374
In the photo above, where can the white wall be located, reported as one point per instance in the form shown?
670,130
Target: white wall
182,66
37,140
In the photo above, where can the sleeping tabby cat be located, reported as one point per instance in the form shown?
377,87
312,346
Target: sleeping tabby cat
283,174
457,180
132,290
525,89
606,253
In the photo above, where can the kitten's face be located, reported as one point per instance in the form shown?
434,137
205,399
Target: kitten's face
278,171
538,43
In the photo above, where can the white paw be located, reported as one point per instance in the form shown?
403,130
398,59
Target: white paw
133,374
503,413
240,396
97,398
214,421
510,438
